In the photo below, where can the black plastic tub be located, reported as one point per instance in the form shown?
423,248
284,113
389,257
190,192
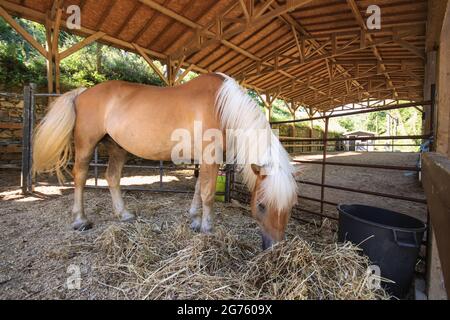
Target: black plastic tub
390,239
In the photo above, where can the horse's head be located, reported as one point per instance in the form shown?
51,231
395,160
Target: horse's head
270,218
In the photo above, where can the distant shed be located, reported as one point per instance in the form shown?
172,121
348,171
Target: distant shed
363,144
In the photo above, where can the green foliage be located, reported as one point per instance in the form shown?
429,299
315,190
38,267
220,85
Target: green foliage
347,123
20,63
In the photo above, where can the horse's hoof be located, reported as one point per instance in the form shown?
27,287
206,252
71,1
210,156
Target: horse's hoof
207,230
82,225
195,226
128,217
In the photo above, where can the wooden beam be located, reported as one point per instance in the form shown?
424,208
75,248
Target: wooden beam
87,41
55,45
245,10
16,26
251,70
416,51
184,74
357,94
300,48
151,63
436,13
264,8
362,24
172,14
287,18
215,37
49,58
56,28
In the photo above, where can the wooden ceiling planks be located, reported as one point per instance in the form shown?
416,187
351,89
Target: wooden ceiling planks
264,52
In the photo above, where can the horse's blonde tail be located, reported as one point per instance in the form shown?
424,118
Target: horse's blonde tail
52,145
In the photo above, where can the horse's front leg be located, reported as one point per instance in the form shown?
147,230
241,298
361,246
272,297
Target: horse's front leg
208,177
196,206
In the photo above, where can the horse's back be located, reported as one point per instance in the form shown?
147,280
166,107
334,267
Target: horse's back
142,118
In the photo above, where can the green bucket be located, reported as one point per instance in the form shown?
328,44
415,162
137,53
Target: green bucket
220,187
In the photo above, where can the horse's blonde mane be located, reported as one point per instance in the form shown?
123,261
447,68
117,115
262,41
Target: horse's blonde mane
237,110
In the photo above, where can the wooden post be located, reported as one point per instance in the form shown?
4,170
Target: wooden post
294,131
429,81
311,131
292,109
169,74
28,122
268,104
324,159
161,174
49,57
443,109
228,172
55,47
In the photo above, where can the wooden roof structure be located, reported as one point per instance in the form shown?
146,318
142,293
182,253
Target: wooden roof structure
315,53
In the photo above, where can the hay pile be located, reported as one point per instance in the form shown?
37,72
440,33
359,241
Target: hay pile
166,260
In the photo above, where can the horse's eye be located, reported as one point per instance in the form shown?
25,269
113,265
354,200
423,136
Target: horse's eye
261,207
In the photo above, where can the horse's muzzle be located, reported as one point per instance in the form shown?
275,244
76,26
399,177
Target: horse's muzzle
267,241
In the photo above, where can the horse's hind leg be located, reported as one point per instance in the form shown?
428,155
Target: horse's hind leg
83,154
117,159
196,206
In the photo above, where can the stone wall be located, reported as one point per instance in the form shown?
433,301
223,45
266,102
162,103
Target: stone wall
10,130
11,111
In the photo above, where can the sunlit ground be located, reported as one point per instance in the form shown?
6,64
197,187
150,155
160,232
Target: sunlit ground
135,180
42,192
319,156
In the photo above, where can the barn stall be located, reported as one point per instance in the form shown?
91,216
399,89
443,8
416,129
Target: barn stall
318,56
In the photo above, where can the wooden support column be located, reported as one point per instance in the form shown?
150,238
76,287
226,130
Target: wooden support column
436,14
443,109
173,69
292,109
270,99
429,81
170,72
311,131
269,102
55,49
49,57
52,28
435,167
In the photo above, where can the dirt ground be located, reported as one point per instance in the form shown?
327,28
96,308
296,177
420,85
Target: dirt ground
402,183
37,245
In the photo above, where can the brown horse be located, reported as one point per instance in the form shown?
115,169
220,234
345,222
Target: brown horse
141,120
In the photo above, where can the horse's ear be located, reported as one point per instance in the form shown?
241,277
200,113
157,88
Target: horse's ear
256,169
